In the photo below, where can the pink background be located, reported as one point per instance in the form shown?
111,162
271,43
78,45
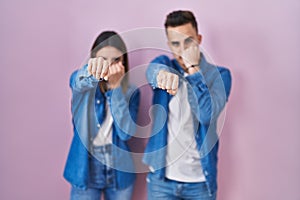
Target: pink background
42,42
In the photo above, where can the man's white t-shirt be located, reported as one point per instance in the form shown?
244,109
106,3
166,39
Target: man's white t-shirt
183,158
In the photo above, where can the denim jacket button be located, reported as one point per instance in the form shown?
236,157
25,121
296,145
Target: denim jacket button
98,125
98,101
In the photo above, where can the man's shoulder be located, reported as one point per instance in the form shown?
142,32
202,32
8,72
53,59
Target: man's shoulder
223,70
214,71
226,77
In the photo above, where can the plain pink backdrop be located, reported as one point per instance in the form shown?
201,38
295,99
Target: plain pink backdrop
42,42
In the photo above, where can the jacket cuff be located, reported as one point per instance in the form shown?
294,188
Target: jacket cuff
196,78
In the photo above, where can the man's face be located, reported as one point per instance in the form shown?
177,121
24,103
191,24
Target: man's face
181,38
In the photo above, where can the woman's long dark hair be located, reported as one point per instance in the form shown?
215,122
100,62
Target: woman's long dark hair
111,38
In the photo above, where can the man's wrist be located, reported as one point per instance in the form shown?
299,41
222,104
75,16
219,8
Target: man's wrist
195,65
194,69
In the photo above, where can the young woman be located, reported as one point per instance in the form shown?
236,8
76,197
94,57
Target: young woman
104,110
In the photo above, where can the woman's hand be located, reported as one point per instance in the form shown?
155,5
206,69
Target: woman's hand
115,73
98,67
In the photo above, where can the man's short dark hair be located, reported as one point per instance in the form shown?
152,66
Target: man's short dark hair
180,17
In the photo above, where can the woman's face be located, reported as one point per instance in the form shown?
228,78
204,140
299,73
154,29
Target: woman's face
110,54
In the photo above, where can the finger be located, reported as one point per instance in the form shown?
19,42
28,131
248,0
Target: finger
185,57
117,68
172,92
114,69
119,71
94,66
89,68
169,81
110,70
175,83
163,81
121,64
104,70
99,67
106,76
194,44
197,49
122,68
158,80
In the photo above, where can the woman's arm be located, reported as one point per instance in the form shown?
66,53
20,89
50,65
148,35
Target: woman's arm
124,110
81,80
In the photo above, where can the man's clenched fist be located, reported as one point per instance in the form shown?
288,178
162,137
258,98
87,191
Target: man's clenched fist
167,81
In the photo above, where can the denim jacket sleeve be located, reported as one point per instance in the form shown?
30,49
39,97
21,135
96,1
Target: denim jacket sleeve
81,81
208,92
159,63
208,89
124,109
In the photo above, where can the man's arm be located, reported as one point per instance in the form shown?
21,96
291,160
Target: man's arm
208,92
160,75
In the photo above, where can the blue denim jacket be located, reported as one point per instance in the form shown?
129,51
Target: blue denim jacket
88,112
208,92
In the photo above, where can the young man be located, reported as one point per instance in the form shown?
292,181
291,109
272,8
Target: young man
182,150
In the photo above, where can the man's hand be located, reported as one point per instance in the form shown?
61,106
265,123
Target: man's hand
191,57
98,67
167,81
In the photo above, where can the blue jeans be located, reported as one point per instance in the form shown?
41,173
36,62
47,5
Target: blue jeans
166,189
95,194
101,179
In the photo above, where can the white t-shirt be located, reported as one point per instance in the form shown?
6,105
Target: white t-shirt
104,135
183,158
